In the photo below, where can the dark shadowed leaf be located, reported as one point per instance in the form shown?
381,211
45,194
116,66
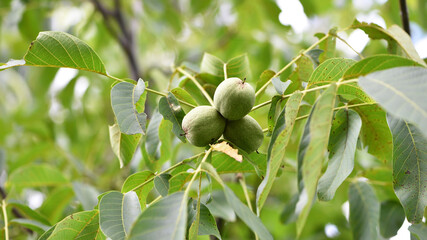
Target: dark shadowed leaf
277,146
161,183
401,91
342,147
364,211
171,110
165,219
219,207
123,145
409,167
117,213
392,216
246,215
315,152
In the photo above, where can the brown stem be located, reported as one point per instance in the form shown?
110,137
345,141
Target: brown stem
405,16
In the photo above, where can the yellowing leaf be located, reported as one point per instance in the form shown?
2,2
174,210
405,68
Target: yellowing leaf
227,149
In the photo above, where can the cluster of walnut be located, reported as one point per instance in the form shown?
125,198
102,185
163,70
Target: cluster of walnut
233,100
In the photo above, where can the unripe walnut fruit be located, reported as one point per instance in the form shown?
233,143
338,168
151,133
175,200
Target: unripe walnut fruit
245,133
203,125
234,98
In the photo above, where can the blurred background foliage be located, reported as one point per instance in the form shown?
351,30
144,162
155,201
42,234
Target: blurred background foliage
61,117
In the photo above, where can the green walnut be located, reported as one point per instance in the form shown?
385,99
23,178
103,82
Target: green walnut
203,125
245,133
234,98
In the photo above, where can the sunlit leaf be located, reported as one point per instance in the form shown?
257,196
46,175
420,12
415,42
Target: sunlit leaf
328,46
330,71
171,110
165,219
225,164
235,67
364,211
375,133
55,203
409,167
263,79
59,49
34,225
123,145
342,147
124,97
137,182
27,212
313,155
394,35
401,91
272,113
81,225
277,146
117,213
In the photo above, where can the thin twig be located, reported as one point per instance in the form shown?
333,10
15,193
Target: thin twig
192,78
291,62
405,16
6,227
344,41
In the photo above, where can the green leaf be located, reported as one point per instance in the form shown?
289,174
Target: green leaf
364,211
225,164
401,91
177,182
59,49
419,230
263,79
117,213
313,156
124,97
166,140
137,182
246,215
277,146
86,194
165,219
395,36
28,213
375,133
34,225
272,113
377,63
330,71
183,95
391,218
409,167
328,46
55,203
280,86
302,72
342,147
207,223
239,67
152,137
219,207
123,145
235,67
161,183
36,176
81,225
171,110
